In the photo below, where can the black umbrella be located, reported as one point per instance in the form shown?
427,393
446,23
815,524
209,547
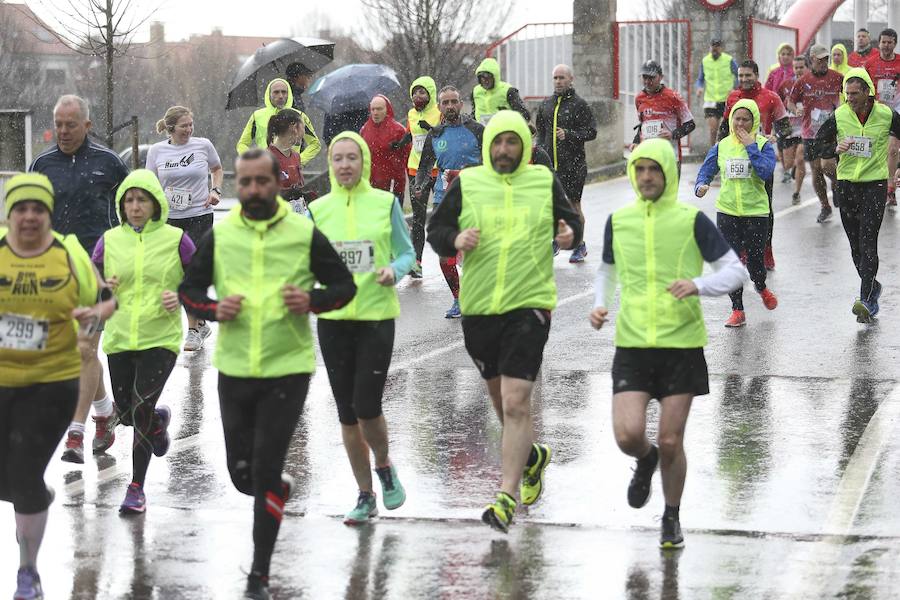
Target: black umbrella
352,86
271,61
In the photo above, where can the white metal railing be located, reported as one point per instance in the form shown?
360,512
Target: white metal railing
527,56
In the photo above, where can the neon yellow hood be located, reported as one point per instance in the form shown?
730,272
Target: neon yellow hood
661,152
430,86
489,65
290,97
503,121
844,67
363,183
144,179
754,110
859,73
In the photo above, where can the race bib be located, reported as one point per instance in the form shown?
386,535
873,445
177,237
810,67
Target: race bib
298,206
358,255
419,142
737,168
887,91
860,146
179,198
651,129
19,332
819,116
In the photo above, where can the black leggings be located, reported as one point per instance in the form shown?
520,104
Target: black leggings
770,184
259,417
746,234
357,356
862,210
420,212
32,421
138,378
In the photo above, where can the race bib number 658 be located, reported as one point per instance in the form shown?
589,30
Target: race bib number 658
23,333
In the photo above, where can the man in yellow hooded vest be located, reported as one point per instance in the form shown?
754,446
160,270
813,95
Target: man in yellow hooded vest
656,248
863,129
492,94
264,261
500,214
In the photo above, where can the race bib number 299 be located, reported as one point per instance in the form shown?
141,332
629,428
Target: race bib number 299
23,333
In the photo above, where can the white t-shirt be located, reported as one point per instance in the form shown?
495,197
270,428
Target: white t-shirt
183,172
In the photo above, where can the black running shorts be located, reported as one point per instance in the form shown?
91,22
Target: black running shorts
715,112
660,372
813,149
510,344
785,143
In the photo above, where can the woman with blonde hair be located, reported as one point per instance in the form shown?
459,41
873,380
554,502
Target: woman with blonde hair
183,164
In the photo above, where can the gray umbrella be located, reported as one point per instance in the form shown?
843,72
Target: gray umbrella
352,86
271,61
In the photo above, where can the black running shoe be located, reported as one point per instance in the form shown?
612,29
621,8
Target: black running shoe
639,488
257,587
671,537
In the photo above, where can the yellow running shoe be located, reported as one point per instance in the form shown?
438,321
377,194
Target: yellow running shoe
533,476
499,514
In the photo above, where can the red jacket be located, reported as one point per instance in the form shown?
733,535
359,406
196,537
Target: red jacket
388,165
771,108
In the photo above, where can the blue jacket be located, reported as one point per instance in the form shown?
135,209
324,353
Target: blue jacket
84,186
453,147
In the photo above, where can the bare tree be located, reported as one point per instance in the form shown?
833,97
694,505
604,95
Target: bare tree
440,38
17,64
767,10
99,28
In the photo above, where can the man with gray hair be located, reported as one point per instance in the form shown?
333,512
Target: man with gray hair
85,176
564,123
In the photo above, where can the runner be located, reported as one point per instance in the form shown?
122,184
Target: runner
839,59
565,122
421,118
662,112
264,261
143,261
39,358
884,70
773,120
864,49
718,76
783,69
746,161
299,78
861,129
184,165
814,98
278,96
659,348
368,228
792,146
499,215
388,163
491,94
452,146
285,132
85,176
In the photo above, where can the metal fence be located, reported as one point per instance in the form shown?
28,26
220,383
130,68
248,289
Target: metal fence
527,56
666,42
763,39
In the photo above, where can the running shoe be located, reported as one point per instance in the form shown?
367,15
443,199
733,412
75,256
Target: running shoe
193,341
28,585
639,487
392,493
769,299
824,214
795,198
499,514
876,295
578,253
416,271
366,508
257,587
135,502
737,319
555,248
769,259
74,452
160,438
454,312
671,537
864,310
105,432
786,177
533,476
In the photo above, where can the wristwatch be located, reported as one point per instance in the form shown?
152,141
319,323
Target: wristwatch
216,190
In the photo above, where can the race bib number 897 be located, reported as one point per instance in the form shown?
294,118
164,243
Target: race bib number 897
358,255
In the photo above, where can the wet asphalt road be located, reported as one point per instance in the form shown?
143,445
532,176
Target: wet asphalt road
793,462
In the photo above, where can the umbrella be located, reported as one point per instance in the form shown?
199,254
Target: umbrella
271,61
352,86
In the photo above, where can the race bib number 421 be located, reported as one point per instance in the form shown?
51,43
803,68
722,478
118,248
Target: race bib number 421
23,333
179,198
358,255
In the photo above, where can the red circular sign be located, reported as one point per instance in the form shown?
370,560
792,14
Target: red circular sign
716,4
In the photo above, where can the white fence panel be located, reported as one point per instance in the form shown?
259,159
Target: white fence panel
764,40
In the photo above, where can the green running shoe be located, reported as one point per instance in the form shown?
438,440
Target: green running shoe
671,537
533,476
365,509
499,514
392,493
